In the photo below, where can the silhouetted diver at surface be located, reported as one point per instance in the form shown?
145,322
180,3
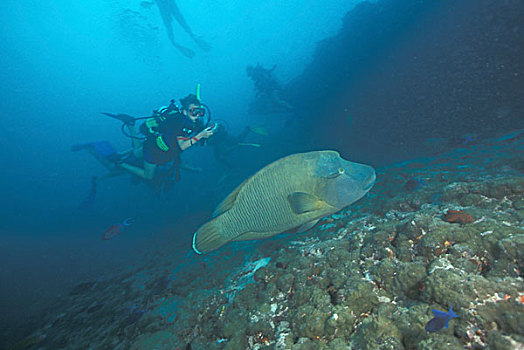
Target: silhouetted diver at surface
168,11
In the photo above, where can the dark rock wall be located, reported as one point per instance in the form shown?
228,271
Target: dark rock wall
402,72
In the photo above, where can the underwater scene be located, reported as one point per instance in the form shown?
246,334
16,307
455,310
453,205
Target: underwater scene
339,174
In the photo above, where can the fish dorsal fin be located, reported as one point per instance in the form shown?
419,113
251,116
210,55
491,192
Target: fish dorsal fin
229,201
302,202
438,313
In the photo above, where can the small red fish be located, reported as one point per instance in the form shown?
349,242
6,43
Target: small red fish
458,216
116,229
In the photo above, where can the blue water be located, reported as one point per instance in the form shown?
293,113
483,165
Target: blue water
387,82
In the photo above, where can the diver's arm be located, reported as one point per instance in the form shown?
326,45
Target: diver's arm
186,142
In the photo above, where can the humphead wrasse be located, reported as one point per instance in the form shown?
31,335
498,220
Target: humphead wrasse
292,192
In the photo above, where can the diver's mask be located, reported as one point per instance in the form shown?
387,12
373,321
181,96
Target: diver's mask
197,111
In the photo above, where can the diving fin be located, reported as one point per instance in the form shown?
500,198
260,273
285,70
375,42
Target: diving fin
259,130
204,45
125,118
249,144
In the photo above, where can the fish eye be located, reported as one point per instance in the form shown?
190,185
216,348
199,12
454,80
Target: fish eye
336,174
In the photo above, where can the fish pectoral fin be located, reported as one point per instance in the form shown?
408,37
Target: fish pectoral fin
307,226
302,202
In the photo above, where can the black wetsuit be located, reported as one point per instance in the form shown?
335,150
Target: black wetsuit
224,143
167,132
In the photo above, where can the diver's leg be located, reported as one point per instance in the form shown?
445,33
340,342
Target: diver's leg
146,173
136,143
243,134
110,175
276,96
220,156
184,50
89,200
166,18
177,14
102,159
149,170
191,168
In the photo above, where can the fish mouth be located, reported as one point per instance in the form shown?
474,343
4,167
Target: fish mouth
370,182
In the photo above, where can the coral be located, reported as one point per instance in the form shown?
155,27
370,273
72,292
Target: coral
309,322
366,278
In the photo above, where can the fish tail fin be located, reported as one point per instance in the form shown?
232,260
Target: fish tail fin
452,313
207,238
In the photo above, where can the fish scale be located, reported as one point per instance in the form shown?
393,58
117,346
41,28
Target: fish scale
258,200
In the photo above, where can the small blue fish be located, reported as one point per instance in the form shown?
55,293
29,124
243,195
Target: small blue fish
440,320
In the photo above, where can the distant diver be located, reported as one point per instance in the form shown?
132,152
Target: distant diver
169,11
224,143
267,87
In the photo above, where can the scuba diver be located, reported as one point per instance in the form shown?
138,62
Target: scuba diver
169,132
224,143
156,148
267,86
169,11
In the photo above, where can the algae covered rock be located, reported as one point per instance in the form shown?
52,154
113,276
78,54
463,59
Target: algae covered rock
162,340
359,295
285,282
341,322
499,341
336,277
237,342
441,285
305,344
511,248
440,341
320,298
377,333
234,323
309,322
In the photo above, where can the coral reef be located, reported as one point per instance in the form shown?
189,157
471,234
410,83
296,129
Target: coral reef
367,277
